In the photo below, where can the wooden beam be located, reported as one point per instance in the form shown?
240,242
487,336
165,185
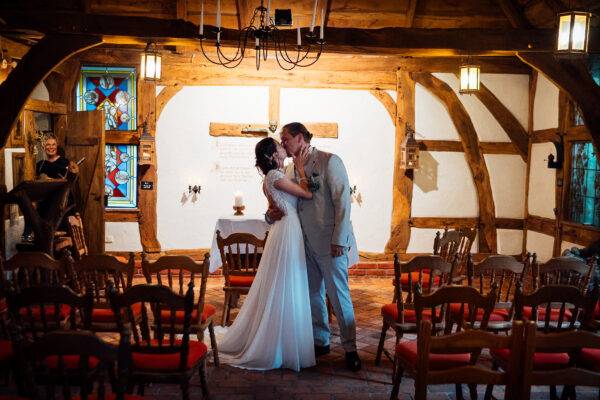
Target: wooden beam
164,96
402,188
443,222
33,68
491,65
318,129
541,225
14,49
386,100
555,5
573,77
244,13
509,123
509,223
122,216
456,146
545,135
531,103
410,13
513,13
581,234
473,154
274,100
499,148
43,106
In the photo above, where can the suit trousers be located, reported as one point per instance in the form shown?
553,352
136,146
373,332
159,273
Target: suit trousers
330,275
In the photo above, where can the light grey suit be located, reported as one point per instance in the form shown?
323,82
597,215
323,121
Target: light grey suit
325,221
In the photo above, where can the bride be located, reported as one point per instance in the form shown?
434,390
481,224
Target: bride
273,328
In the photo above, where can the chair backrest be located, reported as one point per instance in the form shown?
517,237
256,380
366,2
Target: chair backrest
240,254
563,271
561,307
44,360
504,270
43,309
471,341
177,272
36,268
474,308
454,241
159,298
97,270
569,342
75,227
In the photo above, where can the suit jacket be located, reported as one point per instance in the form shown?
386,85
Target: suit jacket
325,218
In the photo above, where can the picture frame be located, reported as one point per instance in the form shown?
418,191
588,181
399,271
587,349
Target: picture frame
18,138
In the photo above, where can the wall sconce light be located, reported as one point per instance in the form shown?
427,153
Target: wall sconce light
409,150
147,147
572,34
469,78
195,189
557,164
151,63
355,195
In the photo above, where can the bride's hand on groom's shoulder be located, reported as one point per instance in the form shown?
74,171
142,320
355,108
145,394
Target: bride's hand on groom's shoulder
302,156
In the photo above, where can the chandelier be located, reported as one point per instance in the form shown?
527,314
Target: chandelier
264,34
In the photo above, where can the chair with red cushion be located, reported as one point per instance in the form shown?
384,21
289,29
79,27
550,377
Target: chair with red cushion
573,310
458,241
240,254
97,271
36,268
169,357
505,271
96,360
401,315
442,324
176,272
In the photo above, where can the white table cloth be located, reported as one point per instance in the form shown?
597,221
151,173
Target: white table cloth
254,224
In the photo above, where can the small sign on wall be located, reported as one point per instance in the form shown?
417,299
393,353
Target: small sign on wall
147,185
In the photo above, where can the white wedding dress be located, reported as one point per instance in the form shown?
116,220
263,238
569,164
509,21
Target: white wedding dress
273,329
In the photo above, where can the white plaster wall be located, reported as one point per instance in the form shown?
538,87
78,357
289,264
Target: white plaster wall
513,92
507,178
541,244
542,181
432,121
545,104
40,92
510,241
125,236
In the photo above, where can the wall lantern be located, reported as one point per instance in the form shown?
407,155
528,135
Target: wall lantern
469,78
151,66
572,34
147,147
410,150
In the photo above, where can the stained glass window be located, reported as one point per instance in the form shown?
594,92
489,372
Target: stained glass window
120,164
593,65
585,185
112,89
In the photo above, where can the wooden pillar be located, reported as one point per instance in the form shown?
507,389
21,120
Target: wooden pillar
532,90
403,179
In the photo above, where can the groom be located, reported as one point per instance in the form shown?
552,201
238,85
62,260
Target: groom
327,238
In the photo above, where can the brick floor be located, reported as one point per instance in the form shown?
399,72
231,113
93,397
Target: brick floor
329,380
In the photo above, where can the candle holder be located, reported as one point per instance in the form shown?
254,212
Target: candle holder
239,209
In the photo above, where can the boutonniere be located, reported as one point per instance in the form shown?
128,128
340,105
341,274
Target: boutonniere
313,183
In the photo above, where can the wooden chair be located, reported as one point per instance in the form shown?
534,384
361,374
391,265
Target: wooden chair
581,350
430,273
435,309
240,263
452,242
75,227
101,271
505,271
45,362
35,269
563,271
165,358
565,308
179,271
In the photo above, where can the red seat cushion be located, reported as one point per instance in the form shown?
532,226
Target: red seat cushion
391,310
408,351
6,350
541,314
71,362
237,280
168,362
3,306
590,358
496,315
595,315
108,396
541,361
209,310
49,309
107,314
415,278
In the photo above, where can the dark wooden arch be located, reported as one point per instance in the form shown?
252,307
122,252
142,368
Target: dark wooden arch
473,153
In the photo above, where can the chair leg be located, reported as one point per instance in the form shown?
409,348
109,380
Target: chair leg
396,379
553,392
203,382
459,394
185,389
490,388
381,342
420,389
141,389
213,343
225,316
473,391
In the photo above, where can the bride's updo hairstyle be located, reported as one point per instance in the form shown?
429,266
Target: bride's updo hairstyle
296,128
264,155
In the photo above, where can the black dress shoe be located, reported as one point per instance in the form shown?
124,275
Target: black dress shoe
321,350
352,361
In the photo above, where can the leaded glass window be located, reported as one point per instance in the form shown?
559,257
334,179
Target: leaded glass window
593,65
111,89
585,185
120,164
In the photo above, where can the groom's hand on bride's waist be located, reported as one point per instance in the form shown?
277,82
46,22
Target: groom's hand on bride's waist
336,250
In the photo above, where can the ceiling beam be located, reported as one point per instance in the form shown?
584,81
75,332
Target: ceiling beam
513,13
410,13
555,5
244,13
436,42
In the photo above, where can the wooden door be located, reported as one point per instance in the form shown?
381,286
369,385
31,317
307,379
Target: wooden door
84,137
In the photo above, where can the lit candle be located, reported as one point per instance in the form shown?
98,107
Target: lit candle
322,30
268,11
202,20
312,23
218,14
299,38
239,199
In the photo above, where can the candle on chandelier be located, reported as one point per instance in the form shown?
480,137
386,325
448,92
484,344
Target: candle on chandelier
202,20
268,12
299,38
218,14
239,199
312,23
322,30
